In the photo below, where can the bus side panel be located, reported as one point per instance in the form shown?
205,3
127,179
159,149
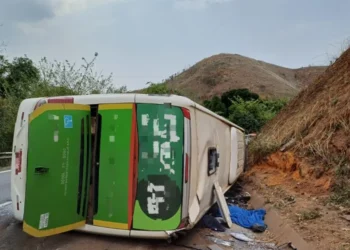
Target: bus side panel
211,133
241,150
234,154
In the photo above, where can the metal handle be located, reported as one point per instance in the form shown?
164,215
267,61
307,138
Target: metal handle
41,170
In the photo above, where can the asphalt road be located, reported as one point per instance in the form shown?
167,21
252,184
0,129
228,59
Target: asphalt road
5,188
12,236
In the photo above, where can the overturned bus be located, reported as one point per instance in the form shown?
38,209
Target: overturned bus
120,164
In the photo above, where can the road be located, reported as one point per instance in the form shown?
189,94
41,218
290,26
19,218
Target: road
13,237
5,188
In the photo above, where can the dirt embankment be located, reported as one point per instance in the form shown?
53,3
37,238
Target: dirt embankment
301,196
310,181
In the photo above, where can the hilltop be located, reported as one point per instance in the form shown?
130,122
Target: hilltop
219,73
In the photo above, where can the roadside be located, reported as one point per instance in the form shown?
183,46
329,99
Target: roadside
302,200
3,169
5,186
199,238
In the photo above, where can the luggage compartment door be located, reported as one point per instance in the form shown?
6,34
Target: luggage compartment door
58,169
116,175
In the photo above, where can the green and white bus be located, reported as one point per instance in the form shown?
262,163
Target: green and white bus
120,164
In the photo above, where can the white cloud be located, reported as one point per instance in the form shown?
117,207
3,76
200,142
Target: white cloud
63,7
197,4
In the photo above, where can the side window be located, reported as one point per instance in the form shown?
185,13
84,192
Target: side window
213,160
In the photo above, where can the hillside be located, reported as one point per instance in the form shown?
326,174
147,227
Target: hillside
319,114
304,153
223,72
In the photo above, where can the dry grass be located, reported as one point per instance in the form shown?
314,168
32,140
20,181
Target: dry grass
220,73
261,147
319,120
308,215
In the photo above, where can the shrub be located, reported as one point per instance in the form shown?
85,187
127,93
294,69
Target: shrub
245,108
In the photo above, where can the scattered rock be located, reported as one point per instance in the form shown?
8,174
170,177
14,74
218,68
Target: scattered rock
346,217
214,247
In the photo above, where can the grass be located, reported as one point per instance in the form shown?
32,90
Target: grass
341,187
309,215
337,162
261,147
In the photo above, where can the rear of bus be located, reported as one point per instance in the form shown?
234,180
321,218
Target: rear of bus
19,156
139,169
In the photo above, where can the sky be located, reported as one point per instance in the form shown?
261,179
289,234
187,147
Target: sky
148,40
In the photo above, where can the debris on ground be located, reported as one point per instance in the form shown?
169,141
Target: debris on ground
220,241
214,247
250,241
243,242
236,196
221,201
211,222
241,235
346,217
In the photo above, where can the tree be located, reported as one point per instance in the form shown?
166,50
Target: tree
252,115
17,77
245,108
159,89
81,80
21,76
217,106
3,73
21,79
232,95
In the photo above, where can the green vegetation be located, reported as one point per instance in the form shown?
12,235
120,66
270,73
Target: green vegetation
309,215
159,89
245,108
21,78
341,187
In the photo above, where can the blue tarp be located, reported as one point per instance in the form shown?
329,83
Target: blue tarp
247,218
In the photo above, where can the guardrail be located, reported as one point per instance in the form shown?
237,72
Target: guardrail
5,159
5,155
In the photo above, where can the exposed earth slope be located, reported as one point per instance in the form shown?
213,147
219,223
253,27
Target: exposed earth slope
310,180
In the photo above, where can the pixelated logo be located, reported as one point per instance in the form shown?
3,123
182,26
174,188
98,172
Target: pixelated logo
159,197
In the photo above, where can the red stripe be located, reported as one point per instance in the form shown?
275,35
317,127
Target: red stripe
18,162
133,153
186,113
61,100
